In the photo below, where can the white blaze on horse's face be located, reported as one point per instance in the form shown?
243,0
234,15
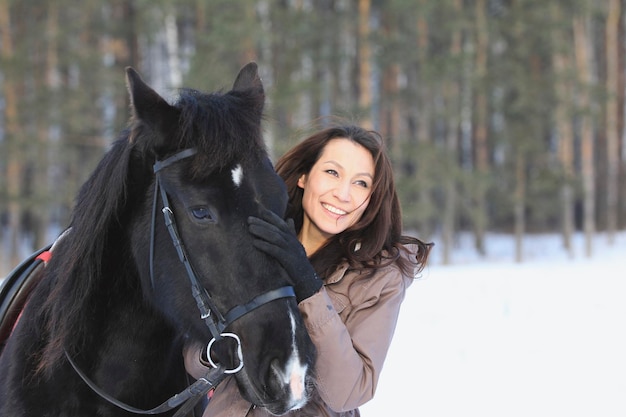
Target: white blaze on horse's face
294,374
237,174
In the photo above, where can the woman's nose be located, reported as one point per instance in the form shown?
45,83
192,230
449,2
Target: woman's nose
342,191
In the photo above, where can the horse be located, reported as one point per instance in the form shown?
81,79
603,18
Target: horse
103,331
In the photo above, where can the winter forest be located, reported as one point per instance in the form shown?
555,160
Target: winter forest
500,116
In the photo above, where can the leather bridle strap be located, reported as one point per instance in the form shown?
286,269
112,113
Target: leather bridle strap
238,311
209,312
158,165
194,391
203,300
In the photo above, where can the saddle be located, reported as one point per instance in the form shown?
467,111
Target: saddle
15,289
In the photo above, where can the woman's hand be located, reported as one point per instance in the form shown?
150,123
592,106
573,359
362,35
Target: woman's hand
277,238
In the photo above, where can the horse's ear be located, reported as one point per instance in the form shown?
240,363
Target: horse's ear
147,105
248,79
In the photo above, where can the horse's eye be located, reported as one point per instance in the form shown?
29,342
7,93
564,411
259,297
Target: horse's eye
202,213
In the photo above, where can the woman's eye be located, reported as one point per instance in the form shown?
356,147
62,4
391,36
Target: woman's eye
362,184
201,213
332,172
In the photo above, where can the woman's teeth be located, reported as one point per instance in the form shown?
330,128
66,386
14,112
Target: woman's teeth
334,210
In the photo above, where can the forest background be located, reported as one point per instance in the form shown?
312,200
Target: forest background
500,115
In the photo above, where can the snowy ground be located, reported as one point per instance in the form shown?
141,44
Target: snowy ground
494,338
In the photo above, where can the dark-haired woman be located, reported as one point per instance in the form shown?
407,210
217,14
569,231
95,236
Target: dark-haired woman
348,261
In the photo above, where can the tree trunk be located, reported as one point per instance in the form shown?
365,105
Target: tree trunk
621,80
170,28
424,108
565,135
389,112
364,66
451,99
248,53
390,117
583,65
519,207
481,150
612,132
49,86
14,156
422,114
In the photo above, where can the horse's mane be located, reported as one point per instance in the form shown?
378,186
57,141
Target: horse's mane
77,268
95,257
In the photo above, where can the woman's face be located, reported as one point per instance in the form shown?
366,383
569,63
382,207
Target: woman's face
337,190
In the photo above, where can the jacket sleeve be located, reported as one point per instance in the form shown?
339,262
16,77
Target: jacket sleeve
351,349
193,366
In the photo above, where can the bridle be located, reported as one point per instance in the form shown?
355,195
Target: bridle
209,313
214,320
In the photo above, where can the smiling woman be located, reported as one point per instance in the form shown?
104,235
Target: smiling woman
343,251
336,191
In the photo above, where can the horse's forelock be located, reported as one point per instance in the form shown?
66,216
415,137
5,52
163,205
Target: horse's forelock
223,127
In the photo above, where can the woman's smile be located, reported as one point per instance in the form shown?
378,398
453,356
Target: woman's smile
334,210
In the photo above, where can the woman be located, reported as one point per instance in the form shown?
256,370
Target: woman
348,262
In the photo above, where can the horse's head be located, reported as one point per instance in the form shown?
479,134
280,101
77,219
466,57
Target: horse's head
211,172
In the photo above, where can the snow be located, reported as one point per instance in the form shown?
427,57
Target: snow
493,338
546,337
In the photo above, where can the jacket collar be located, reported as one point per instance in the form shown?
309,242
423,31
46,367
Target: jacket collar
339,273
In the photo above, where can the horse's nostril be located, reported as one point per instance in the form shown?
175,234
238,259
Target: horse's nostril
275,380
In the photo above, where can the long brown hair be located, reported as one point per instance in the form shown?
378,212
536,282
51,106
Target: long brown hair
378,233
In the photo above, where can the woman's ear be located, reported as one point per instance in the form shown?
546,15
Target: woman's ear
302,181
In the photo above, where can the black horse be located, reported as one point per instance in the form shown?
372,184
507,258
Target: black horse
158,255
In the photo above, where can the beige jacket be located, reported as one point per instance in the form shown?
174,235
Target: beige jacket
351,322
